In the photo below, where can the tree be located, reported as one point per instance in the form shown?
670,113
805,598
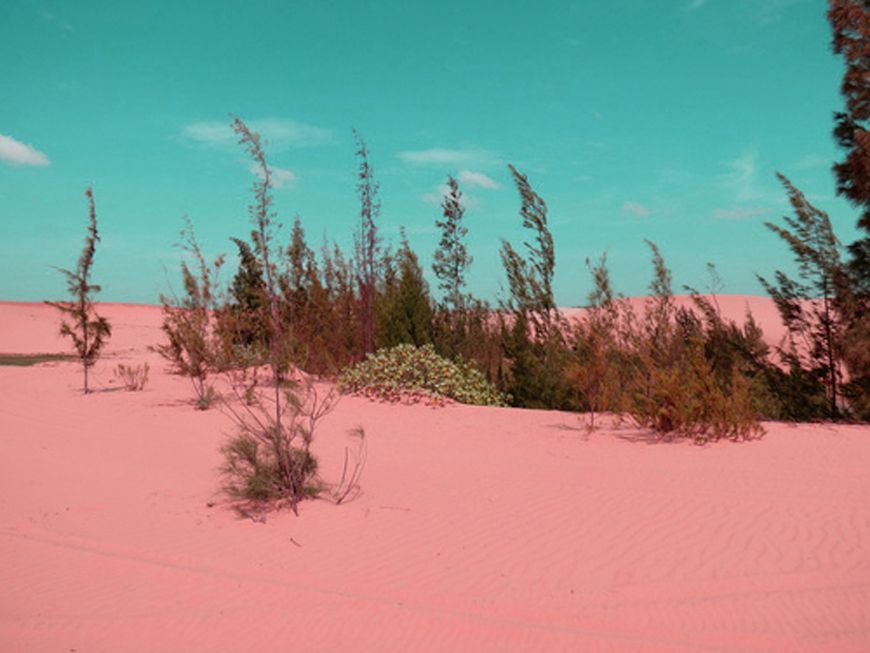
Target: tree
812,306
593,370
451,259
367,243
88,330
245,320
533,340
531,279
271,458
405,308
850,23
188,323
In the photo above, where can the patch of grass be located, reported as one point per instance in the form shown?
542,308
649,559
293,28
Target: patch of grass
27,360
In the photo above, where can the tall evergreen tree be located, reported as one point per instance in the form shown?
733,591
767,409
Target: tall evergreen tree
88,330
850,23
367,242
811,306
405,308
531,279
451,259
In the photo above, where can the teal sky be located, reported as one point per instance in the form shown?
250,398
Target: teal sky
634,119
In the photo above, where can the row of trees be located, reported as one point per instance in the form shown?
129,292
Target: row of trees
290,313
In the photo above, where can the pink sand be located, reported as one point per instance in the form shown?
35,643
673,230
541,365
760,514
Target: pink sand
478,529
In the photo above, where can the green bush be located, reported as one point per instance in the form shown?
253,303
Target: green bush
408,373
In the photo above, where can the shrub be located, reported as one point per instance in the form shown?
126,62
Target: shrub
133,377
405,372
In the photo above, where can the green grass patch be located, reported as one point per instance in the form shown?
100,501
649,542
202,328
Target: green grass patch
26,360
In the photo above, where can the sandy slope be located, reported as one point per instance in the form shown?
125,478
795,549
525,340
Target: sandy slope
478,529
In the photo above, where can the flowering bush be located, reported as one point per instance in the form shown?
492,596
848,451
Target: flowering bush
411,374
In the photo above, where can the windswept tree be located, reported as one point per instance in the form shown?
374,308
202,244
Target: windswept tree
81,323
811,306
530,278
188,322
533,339
367,243
271,458
451,260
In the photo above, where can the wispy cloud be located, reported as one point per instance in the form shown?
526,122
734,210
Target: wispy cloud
773,11
740,213
54,19
448,157
280,134
636,209
741,180
696,4
809,161
281,177
20,154
471,178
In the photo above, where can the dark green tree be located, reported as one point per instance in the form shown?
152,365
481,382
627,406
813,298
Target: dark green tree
404,306
812,305
451,260
81,323
367,243
531,278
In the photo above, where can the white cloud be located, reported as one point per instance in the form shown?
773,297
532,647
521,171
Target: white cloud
279,134
441,156
696,4
635,208
740,213
742,178
471,178
20,154
281,177
809,161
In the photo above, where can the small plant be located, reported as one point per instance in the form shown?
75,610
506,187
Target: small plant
191,346
269,462
134,377
348,485
408,373
88,331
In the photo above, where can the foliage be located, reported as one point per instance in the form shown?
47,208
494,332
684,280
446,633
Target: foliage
188,323
367,243
593,369
532,334
812,306
88,330
270,459
531,279
405,372
667,382
133,377
451,259
404,309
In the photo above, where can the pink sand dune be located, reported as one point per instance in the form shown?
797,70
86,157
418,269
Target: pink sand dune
478,529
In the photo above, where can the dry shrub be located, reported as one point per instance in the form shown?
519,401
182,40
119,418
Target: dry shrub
133,377
269,462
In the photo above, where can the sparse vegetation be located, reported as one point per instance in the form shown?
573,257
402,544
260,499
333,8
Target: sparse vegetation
81,323
415,374
132,377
